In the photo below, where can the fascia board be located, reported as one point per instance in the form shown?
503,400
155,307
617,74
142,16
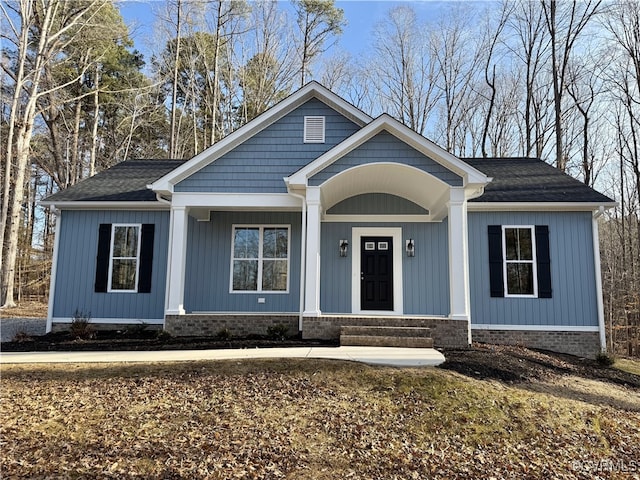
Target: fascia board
262,121
537,206
88,205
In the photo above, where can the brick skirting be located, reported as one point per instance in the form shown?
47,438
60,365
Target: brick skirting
445,332
237,325
584,344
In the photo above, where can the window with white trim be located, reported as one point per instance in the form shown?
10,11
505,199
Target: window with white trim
519,254
314,129
124,257
260,258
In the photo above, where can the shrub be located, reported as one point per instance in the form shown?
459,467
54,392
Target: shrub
278,331
605,359
21,337
81,328
163,335
223,334
136,329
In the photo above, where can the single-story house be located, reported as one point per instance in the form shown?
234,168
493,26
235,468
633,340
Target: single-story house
318,217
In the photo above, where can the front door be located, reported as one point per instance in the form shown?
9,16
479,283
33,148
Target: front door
376,274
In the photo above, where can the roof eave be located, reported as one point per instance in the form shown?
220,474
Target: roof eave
539,206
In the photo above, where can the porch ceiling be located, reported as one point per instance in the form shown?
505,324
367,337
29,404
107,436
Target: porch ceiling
398,179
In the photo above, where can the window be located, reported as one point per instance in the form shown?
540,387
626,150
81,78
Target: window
313,129
124,260
519,264
260,259
519,261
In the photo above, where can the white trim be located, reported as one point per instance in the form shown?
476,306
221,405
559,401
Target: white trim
54,270
537,206
314,129
176,259
385,122
398,293
240,314
138,226
459,290
237,201
377,218
262,121
87,205
536,328
312,251
126,321
598,274
260,258
533,261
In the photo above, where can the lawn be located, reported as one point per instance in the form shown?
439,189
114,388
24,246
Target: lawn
310,419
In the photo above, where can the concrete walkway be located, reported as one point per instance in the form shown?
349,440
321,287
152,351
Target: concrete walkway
399,357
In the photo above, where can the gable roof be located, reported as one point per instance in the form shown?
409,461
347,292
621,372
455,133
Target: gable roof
310,90
531,180
389,124
124,182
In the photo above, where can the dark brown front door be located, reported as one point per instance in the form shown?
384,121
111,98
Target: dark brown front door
376,274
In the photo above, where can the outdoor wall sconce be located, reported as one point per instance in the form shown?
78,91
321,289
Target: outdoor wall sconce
411,248
344,247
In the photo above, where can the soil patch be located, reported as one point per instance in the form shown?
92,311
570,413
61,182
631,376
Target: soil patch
134,339
511,364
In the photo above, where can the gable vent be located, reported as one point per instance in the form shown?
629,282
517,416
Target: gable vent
313,129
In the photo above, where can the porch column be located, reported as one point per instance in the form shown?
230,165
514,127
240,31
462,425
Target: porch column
176,261
458,255
312,288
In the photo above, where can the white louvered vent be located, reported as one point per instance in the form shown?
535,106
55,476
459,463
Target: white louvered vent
313,129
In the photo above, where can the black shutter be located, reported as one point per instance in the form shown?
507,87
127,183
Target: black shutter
543,259
146,258
102,259
496,274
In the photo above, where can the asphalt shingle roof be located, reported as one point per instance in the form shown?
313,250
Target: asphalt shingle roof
514,180
124,182
531,180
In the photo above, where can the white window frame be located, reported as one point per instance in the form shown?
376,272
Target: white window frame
533,261
260,258
112,258
306,130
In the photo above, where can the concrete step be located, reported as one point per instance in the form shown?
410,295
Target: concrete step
385,341
385,331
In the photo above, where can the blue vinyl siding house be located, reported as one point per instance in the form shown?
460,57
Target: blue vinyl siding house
319,217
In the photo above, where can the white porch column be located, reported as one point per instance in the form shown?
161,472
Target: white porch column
312,288
458,255
176,261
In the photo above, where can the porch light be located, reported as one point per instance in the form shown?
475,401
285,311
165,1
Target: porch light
411,248
344,247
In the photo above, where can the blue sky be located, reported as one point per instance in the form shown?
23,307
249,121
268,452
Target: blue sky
361,16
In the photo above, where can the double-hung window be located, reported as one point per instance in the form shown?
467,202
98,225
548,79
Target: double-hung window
519,261
125,258
260,258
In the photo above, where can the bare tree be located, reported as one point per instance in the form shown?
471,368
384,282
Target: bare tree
51,25
317,20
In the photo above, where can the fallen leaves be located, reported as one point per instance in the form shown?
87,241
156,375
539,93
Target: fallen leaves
296,419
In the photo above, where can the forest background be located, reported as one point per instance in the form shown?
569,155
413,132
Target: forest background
557,80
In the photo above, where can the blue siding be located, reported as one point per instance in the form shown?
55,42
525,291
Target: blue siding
76,271
208,266
425,277
572,272
377,204
262,161
384,147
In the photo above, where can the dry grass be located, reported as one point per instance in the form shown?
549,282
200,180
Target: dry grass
26,309
628,365
301,419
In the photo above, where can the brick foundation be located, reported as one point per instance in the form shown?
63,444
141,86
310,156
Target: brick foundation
237,325
445,332
584,344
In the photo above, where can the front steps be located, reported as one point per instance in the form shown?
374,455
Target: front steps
383,336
